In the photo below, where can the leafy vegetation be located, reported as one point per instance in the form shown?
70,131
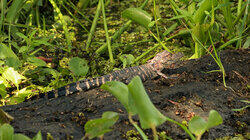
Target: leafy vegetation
48,44
7,133
136,101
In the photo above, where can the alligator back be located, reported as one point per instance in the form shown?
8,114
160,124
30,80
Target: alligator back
145,72
125,75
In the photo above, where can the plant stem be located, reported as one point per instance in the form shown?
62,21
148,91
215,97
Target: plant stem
154,133
93,26
183,127
159,41
144,137
118,33
107,34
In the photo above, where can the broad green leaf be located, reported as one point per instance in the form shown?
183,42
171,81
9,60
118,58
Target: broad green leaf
36,62
214,119
98,127
6,132
20,137
137,15
15,7
6,52
148,113
197,125
127,59
120,91
13,76
13,62
78,66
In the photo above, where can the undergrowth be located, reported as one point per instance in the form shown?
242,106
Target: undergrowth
49,44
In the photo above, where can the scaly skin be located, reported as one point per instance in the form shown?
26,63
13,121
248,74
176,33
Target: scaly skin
147,71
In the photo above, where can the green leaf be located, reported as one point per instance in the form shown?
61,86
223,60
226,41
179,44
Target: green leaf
14,9
205,5
20,137
36,62
32,33
40,42
197,125
55,74
19,96
247,43
191,8
6,52
127,59
98,127
3,91
13,62
4,81
38,136
214,119
6,132
120,91
148,113
78,66
11,75
25,49
110,115
170,29
22,36
137,15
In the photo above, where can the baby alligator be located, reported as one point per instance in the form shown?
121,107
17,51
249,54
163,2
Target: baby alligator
147,71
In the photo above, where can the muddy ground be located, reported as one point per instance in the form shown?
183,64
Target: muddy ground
193,93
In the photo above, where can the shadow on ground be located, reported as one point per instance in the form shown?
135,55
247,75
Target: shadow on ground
195,92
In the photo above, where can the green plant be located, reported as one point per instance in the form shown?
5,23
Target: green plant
31,43
198,125
198,24
78,66
240,109
136,101
10,76
98,127
144,19
7,133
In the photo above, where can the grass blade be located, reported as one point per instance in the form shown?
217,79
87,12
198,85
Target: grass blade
107,34
93,26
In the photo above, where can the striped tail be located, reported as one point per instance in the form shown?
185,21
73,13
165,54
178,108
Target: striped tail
124,75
